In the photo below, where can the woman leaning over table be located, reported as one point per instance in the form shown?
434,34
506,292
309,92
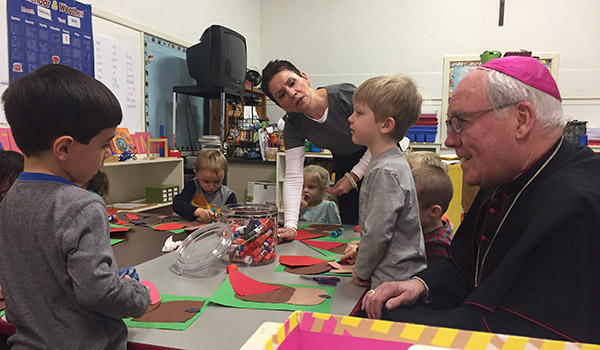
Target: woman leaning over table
321,117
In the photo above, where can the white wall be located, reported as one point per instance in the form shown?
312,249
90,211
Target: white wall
352,40
186,20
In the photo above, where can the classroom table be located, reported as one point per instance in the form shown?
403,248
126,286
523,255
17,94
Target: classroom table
222,327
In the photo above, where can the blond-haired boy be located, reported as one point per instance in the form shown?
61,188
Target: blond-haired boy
204,195
391,246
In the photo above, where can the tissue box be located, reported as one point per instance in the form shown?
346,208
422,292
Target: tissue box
161,193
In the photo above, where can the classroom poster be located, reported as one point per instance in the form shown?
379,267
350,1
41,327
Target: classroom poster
49,31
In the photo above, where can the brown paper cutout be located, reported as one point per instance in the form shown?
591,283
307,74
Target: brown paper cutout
322,229
338,267
299,296
281,295
171,311
309,270
339,249
2,304
307,296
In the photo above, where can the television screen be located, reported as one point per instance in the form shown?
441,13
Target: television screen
219,59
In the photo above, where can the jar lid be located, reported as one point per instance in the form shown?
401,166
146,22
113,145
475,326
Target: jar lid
203,247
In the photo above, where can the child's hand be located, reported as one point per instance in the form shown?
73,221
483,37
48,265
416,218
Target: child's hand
205,215
349,256
303,204
359,281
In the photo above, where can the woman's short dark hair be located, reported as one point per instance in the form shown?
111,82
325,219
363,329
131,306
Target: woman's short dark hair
273,68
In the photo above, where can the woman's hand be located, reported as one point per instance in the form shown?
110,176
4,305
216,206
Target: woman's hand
285,234
343,186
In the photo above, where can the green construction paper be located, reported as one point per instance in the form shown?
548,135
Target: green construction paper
327,253
177,326
114,241
226,296
2,312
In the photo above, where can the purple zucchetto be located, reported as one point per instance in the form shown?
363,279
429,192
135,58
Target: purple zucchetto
527,70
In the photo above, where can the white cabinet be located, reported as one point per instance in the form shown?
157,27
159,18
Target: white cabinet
128,179
280,174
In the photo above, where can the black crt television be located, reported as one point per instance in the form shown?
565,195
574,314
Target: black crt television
219,59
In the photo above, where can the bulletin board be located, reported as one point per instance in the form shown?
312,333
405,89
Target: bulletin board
165,67
456,67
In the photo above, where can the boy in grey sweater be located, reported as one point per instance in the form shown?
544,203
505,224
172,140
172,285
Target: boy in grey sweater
391,245
59,275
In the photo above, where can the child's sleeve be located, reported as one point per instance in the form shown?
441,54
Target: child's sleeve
232,199
93,271
332,214
383,203
182,203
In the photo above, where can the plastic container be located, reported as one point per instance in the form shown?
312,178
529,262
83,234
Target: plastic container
254,228
203,247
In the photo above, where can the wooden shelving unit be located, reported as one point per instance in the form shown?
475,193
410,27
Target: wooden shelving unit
128,180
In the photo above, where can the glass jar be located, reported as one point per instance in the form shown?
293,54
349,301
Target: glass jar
254,228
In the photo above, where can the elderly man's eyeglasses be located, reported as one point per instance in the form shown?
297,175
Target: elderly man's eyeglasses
457,119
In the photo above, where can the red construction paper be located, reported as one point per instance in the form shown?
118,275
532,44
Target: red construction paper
322,245
299,260
132,217
302,234
244,285
119,229
154,296
169,226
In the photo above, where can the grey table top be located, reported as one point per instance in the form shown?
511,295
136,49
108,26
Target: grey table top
222,327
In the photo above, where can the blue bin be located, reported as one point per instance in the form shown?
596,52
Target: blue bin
422,133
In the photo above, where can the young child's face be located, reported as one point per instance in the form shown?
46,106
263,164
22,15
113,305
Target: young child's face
311,191
363,127
85,160
209,180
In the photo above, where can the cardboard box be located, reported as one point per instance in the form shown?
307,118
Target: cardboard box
261,192
308,330
161,193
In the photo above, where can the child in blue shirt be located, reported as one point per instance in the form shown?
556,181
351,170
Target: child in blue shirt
204,195
313,206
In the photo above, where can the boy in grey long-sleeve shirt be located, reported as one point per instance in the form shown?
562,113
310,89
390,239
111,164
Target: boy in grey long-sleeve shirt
391,246
59,275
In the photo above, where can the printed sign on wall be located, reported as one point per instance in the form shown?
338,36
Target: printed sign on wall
49,31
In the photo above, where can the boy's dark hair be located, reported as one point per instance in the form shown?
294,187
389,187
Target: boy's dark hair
11,165
433,185
57,100
269,72
98,184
